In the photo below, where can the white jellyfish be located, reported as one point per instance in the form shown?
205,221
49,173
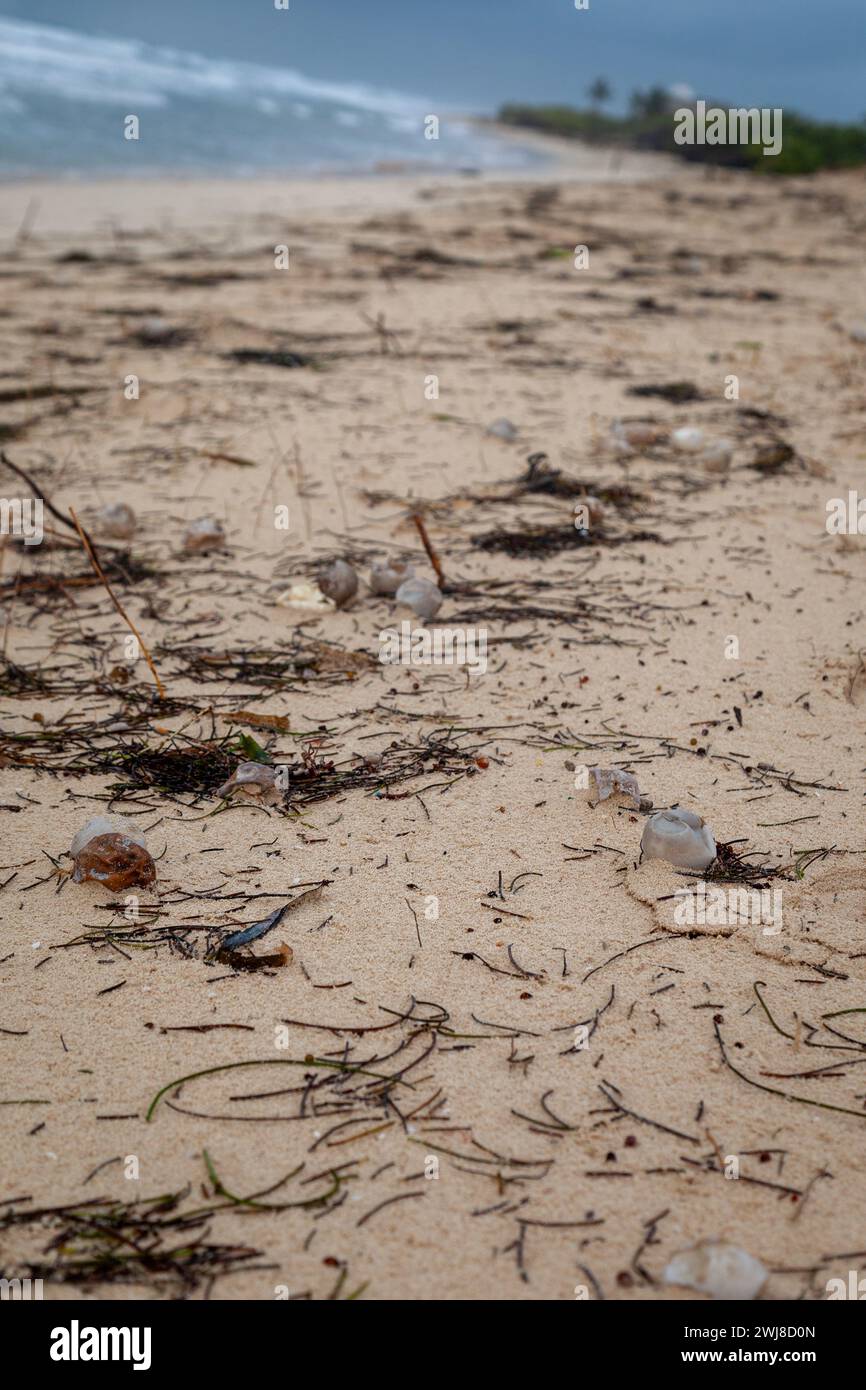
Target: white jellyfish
679,836
422,596
206,533
339,582
117,520
255,780
688,440
717,1268
387,578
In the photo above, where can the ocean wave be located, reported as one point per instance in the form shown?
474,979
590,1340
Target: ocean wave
67,95
48,60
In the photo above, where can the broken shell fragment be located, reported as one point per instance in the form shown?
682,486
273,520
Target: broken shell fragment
204,534
387,578
422,596
116,861
305,594
339,583
714,1267
117,520
255,780
612,779
681,837
106,825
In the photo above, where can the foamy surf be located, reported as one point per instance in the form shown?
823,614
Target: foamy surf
58,88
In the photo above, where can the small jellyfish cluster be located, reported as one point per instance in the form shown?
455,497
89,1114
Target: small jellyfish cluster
118,522
713,454
338,585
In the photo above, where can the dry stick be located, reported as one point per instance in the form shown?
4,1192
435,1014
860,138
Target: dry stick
431,553
85,541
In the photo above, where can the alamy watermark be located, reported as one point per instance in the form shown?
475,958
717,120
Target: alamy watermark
735,126
22,516
441,646
708,906
20,1290
854,1289
846,518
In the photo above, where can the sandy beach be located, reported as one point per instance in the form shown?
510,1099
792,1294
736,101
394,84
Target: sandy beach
493,1064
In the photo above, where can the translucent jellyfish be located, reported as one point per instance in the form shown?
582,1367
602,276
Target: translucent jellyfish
717,455
714,1267
112,851
255,780
612,779
503,429
688,440
117,520
387,578
637,435
206,533
679,836
339,582
422,596
106,825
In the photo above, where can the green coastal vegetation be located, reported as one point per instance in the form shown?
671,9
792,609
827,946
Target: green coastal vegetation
807,145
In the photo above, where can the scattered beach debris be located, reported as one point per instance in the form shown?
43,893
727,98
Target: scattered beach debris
255,780
82,730
532,541
679,836
724,1271
773,456
205,533
117,520
677,392
387,578
230,950
422,596
339,582
613,779
117,858
503,429
267,358
149,1243
258,929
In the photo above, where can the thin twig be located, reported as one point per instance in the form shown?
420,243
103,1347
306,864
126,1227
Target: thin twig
85,541
431,553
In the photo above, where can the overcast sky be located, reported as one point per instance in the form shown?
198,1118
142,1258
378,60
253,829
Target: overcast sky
808,55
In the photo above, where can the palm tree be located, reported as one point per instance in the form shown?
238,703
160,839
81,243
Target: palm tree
599,92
